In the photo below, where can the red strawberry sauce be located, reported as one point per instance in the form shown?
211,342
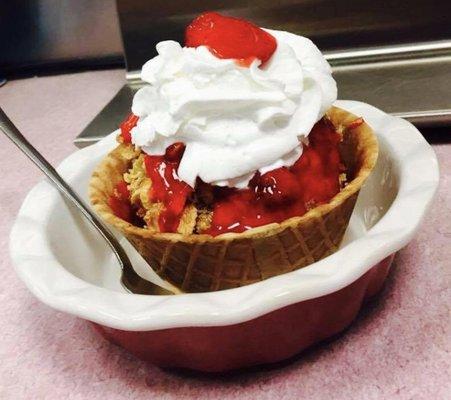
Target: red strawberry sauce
284,192
229,37
272,197
167,187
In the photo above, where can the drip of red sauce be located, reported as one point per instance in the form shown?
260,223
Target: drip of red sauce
126,126
167,187
229,37
284,192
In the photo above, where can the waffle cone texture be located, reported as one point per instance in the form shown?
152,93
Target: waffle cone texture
199,262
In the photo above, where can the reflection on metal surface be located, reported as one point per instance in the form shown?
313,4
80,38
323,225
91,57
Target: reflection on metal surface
427,118
419,90
387,53
43,33
109,118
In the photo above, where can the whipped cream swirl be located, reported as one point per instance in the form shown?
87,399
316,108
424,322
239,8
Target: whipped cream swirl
233,120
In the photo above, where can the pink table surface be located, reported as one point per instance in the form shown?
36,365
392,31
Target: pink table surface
398,348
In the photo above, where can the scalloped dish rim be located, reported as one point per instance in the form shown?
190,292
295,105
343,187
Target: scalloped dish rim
35,262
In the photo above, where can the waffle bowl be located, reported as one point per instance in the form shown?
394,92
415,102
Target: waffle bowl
200,263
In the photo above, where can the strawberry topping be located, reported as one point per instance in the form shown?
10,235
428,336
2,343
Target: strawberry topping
283,192
167,187
229,37
126,126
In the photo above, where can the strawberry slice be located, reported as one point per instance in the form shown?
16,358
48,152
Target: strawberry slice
278,186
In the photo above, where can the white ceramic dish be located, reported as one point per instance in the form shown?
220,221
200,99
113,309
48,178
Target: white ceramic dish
67,266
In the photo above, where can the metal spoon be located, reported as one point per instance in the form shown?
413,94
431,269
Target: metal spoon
130,279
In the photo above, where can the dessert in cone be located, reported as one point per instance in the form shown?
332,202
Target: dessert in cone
226,216
200,262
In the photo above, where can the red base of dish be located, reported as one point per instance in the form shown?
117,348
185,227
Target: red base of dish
267,339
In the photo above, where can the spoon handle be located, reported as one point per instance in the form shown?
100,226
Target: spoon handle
130,278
